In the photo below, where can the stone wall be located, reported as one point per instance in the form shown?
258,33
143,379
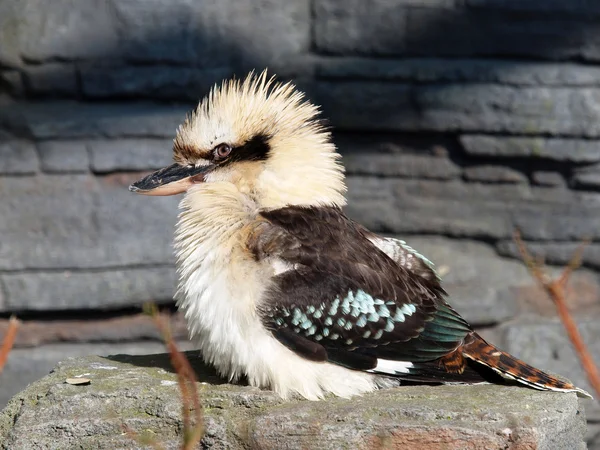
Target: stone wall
459,120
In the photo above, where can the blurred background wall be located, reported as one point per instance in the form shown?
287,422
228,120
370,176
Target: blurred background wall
459,120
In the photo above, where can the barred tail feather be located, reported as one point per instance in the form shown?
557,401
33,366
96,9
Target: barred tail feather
478,350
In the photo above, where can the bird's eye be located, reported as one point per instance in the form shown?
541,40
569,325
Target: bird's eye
222,151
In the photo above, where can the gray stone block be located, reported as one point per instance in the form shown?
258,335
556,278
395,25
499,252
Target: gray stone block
112,289
557,149
212,33
67,30
581,8
78,222
482,32
11,82
502,109
165,82
475,210
494,174
54,79
382,106
559,253
11,17
546,178
130,154
357,27
439,70
64,120
18,157
125,388
587,177
400,165
461,107
64,156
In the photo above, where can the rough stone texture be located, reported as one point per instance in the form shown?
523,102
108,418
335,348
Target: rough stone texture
18,157
71,222
25,366
11,82
142,393
546,178
563,150
64,156
559,253
69,30
400,165
130,154
108,289
52,79
436,70
493,32
359,27
165,82
494,174
59,120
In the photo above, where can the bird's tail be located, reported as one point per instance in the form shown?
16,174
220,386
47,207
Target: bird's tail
479,351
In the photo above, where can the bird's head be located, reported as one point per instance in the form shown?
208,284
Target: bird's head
259,135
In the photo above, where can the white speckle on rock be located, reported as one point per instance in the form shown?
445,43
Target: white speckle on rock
102,366
167,382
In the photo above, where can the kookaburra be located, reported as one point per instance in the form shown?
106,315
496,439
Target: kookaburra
279,286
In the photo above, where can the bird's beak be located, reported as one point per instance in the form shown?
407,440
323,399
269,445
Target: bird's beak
171,180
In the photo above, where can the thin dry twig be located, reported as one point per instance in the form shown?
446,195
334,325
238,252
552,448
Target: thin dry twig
9,341
555,288
186,377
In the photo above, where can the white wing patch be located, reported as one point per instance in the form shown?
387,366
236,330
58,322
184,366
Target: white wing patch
400,252
392,367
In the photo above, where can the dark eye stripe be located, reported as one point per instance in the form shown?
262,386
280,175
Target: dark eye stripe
256,149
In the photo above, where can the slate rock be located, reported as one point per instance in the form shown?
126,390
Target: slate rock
130,154
400,165
142,393
557,149
494,174
66,119
156,81
67,30
547,178
82,222
51,79
59,156
459,70
80,290
18,157
358,27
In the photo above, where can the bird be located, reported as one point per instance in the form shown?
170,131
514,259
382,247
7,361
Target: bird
279,287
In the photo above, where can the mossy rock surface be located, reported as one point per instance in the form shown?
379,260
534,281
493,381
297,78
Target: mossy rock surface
141,393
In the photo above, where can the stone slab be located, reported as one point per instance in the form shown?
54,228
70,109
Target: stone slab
130,154
356,27
76,222
400,165
108,289
459,70
51,79
64,119
142,392
556,149
59,156
18,157
494,174
156,81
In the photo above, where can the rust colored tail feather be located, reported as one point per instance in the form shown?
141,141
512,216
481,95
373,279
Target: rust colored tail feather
478,350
